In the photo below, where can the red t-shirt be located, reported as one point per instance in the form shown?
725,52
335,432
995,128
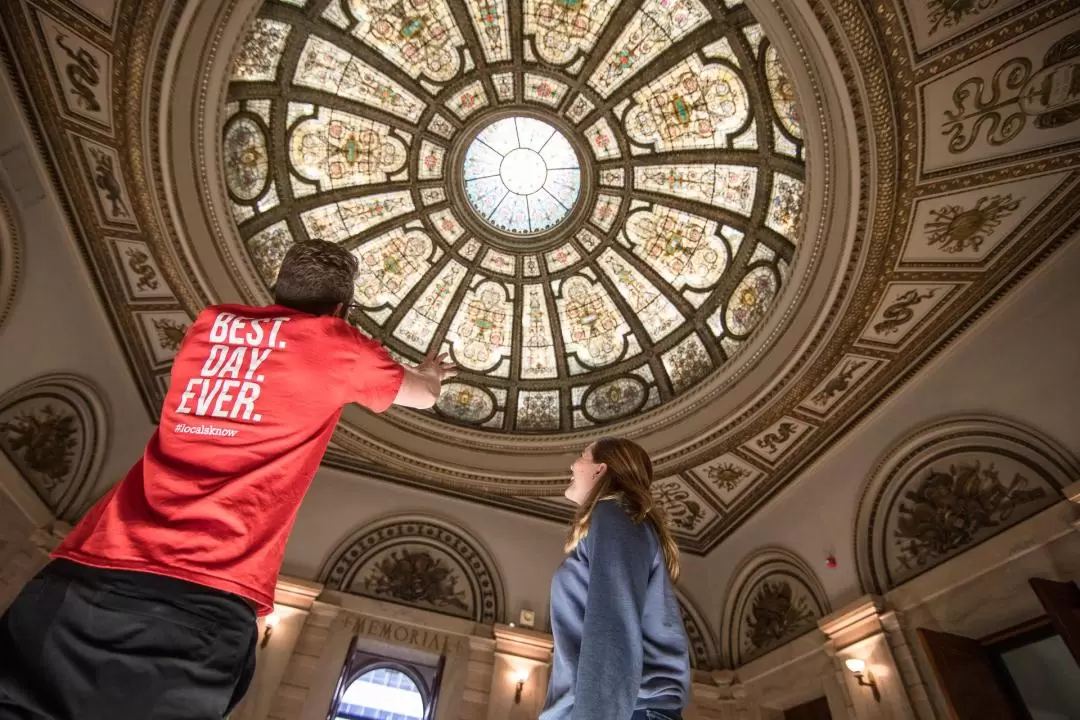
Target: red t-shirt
254,398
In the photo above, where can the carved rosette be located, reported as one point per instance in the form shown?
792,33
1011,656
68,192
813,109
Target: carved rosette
422,562
949,487
53,430
774,597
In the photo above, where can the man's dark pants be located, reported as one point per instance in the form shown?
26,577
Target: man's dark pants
82,643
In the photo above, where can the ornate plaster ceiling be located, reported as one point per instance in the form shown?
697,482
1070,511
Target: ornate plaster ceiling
923,203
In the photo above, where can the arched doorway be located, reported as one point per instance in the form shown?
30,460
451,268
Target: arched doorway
384,692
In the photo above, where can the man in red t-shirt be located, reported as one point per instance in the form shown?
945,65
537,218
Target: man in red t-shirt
148,607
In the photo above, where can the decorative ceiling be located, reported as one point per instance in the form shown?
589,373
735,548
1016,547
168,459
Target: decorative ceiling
782,211
589,210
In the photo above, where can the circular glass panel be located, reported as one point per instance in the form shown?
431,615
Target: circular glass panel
521,175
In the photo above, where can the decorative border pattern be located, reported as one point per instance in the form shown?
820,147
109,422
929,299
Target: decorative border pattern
10,256
703,654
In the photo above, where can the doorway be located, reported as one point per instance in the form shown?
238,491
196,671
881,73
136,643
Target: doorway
376,687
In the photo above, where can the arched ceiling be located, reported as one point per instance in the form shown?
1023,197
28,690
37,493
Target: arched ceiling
589,206
921,206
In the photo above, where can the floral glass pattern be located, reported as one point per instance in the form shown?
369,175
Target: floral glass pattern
538,345
652,308
692,106
655,27
423,318
261,50
615,399
342,220
687,362
247,166
606,271
593,328
563,30
268,247
783,93
750,301
602,140
561,258
421,38
492,25
538,410
325,66
785,205
726,186
337,149
465,403
544,90
684,249
479,335
431,161
390,266
467,100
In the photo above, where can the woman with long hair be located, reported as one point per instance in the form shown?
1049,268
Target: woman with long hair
620,647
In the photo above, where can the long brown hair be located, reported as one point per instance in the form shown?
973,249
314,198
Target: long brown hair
628,479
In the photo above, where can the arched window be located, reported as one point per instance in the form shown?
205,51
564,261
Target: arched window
383,693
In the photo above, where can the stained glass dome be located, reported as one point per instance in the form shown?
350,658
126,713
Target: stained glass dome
591,206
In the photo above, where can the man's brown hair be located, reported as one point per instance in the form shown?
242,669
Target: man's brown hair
315,277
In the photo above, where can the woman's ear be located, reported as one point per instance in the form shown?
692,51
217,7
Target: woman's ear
601,468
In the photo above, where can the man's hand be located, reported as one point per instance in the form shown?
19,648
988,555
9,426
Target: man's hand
436,367
422,384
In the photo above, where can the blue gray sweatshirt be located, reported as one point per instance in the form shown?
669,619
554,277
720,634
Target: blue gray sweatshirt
620,644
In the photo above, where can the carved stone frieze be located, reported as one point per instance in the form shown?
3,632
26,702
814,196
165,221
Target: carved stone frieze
773,597
948,487
53,430
422,562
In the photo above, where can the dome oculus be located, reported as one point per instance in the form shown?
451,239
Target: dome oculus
521,176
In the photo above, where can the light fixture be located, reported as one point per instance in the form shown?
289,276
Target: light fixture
268,627
521,676
865,678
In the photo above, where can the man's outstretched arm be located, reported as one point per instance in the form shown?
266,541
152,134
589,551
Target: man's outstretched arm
422,384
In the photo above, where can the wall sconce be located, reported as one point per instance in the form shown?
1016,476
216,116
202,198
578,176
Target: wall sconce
268,628
864,676
521,676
